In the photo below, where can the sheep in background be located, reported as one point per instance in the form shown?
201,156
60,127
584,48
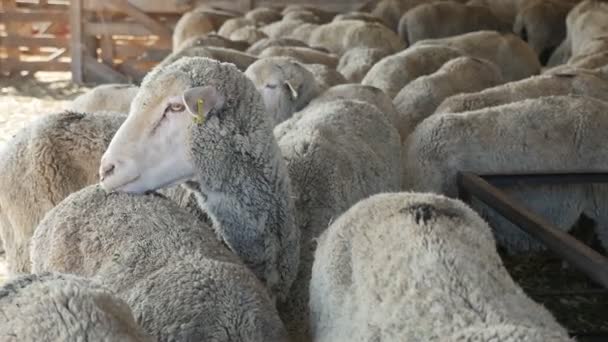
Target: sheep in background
561,133
240,59
343,35
286,86
283,28
362,16
105,98
359,92
249,34
57,307
593,61
334,157
566,83
587,28
422,21
324,16
419,99
213,40
301,54
303,33
506,10
303,15
445,273
48,160
355,63
542,24
325,76
513,56
234,24
394,72
197,22
263,15
180,281
390,11
266,43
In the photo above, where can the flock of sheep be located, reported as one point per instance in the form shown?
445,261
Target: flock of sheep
288,175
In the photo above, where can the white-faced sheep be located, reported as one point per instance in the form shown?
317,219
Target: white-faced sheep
394,72
42,165
419,99
542,24
266,43
263,15
240,59
355,63
343,35
566,83
286,86
513,56
547,134
249,34
445,277
180,281
234,24
215,40
197,22
57,307
221,141
105,98
301,54
422,22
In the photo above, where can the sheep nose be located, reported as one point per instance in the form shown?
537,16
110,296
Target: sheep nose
106,170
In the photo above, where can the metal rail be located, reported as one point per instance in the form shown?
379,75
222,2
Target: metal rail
590,262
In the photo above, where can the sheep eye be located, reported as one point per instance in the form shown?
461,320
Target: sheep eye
176,107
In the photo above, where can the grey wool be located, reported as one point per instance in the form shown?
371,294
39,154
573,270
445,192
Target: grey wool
515,58
447,282
197,22
325,76
105,98
355,63
394,72
266,43
233,24
574,82
285,85
61,307
180,281
213,40
337,153
301,54
44,163
263,15
422,21
419,99
238,167
249,34
546,134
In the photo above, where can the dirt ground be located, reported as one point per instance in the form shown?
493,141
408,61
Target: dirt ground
25,98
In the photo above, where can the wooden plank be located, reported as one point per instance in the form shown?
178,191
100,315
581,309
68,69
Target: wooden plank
12,65
140,16
107,49
145,53
23,16
148,6
76,41
114,29
35,42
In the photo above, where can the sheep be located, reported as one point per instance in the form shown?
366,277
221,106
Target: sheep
263,15
240,59
57,307
324,16
542,24
394,72
286,86
421,22
369,94
303,32
591,61
516,59
343,35
390,11
587,28
263,44
214,40
446,277
234,24
359,16
301,54
560,133
180,281
506,10
44,163
419,99
302,15
355,63
325,76
333,157
574,83
197,22
282,29
105,98
249,34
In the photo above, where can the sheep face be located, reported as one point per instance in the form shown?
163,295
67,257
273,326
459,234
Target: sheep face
150,150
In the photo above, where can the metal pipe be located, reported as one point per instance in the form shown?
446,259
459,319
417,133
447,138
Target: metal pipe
567,247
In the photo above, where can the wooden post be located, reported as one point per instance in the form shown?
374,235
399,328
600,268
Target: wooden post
76,41
11,29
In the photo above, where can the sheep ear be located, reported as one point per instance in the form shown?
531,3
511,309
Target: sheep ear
294,93
200,101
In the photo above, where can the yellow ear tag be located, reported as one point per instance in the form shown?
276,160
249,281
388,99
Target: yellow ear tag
199,119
